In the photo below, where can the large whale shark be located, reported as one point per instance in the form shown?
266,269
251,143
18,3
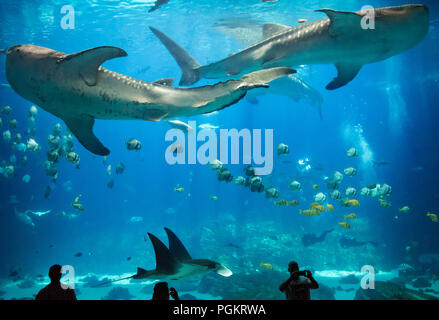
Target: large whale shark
175,263
75,88
341,40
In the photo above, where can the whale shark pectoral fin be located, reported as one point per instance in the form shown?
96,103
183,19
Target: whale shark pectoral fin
165,82
82,128
342,22
270,29
88,61
346,73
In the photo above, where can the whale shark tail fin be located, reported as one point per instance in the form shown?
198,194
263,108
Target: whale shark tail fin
189,66
260,78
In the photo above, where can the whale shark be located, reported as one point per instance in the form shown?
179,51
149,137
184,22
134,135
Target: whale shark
78,90
341,39
175,262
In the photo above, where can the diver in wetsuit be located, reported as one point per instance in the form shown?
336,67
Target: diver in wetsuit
298,284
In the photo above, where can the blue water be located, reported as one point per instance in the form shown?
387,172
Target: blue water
388,112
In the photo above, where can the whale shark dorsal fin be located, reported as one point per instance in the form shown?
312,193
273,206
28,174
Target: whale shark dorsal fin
82,128
270,29
88,61
165,261
176,246
346,73
165,82
342,22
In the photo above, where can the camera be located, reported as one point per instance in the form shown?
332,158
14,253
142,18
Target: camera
301,273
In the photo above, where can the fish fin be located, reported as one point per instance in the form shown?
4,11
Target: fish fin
87,62
259,79
342,22
82,128
189,66
176,246
165,261
270,29
165,82
346,73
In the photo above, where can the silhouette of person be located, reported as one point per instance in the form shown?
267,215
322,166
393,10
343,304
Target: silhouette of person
161,292
54,290
298,285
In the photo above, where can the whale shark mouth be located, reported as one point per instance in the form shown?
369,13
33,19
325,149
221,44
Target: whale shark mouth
224,271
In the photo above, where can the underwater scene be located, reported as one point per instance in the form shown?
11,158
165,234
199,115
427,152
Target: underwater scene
209,144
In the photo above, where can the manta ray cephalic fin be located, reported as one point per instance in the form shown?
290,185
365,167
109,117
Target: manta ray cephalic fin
82,128
88,61
346,73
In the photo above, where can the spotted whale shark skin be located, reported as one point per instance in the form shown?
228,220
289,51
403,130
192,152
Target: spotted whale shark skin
75,88
340,40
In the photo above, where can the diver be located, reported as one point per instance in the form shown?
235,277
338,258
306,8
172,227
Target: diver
55,290
298,284
161,292
349,242
310,238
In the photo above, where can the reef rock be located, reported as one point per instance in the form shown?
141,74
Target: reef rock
391,291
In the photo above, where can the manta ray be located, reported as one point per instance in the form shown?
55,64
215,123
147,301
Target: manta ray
75,88
175,263
341,39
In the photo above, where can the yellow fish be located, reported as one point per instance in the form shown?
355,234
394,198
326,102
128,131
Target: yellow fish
214,198
317,206
344,225
350,216
384,203
266,266
315,187
293,203
433,216
281,203
353,203
310,212
178,188
77,206
330,207
77,198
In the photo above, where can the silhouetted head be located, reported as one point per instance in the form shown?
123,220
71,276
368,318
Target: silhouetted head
161,291
55,273
293,266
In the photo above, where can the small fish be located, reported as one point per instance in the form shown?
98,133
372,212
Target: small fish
404,209
384,203
344,225
350,216
266,266
47,192
330,207
293,203
315,187
281,202
302,20
433,216
214,198
178,188
310,212
353,203
77,206
317,206
129,258
79,254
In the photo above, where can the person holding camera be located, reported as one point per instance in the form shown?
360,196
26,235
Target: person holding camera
162,292
298,285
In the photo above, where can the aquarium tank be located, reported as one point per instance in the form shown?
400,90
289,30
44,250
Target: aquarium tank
230,150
